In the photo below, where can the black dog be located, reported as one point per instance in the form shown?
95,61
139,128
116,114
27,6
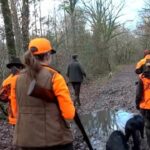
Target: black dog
117,141
135,127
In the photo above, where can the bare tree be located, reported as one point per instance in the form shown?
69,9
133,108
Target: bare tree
103,16
40,18
69,6
144,25
16,27
8,28
25,24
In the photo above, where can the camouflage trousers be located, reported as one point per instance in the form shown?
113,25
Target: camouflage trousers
146,115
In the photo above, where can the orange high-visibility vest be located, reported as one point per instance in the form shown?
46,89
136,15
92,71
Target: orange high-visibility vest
12,110
145,101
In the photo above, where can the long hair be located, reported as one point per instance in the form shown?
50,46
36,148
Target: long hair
33,66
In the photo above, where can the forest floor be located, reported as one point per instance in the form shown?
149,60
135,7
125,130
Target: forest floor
117,92
110,93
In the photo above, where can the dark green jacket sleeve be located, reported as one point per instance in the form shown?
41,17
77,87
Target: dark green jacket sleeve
82,70
139,92
67,74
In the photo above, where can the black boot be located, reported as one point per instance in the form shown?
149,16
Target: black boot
77,101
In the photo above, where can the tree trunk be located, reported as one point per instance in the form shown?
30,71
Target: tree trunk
40,18
16,27
66,32
8,28
25,24
35,17
73,29
73,33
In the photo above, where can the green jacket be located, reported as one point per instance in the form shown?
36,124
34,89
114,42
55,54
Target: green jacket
75,72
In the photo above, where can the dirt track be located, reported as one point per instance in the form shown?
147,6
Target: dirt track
114,93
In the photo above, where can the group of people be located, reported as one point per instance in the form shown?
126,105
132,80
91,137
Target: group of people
41,120
41,123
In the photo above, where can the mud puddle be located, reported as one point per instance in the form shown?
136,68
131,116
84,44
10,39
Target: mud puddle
100,124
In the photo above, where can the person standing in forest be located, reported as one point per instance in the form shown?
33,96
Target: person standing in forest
143,97
140,64
42,122
7,91
76,73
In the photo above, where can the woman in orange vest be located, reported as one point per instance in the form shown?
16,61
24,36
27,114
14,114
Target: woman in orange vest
140,64
143,98
42,124
7,91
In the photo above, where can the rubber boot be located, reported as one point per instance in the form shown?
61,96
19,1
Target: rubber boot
147,128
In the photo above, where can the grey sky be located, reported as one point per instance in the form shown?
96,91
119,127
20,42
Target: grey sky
129,13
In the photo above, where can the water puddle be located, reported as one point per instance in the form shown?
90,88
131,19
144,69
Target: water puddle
100,124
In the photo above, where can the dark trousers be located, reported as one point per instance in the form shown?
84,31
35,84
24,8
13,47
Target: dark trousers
76,86
60,147
146,115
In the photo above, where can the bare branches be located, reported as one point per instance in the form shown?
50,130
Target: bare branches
144,26
103,16
70,6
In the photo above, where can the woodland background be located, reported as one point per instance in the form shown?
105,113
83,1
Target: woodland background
89,29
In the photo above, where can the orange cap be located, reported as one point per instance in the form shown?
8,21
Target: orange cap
40,46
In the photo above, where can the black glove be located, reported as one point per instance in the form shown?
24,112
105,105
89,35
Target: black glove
136,83
137,107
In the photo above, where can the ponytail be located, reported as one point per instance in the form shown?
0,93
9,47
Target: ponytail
32,64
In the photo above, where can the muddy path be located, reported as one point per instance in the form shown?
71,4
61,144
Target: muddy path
110,93
113,93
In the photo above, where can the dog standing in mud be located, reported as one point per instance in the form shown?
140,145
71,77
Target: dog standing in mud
117,141
134,128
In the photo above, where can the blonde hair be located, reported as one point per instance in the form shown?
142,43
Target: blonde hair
33,66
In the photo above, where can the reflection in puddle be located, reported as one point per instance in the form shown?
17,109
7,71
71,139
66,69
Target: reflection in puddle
99,125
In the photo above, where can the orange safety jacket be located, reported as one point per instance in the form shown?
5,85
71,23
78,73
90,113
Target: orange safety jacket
145,98
12,108
62,93
140,64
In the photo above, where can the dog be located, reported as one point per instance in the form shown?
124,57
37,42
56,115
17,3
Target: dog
117,141
110,75
135,128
